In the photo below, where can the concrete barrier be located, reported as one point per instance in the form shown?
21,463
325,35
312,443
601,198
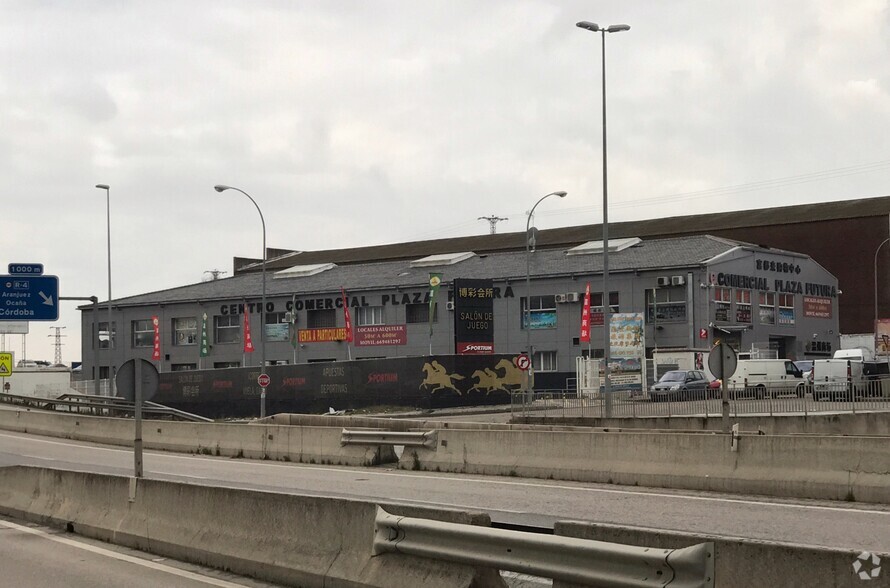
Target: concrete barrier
299,444
398,424
294,540
863,423
745,563
835,468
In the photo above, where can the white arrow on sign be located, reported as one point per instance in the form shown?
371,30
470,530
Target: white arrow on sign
48,300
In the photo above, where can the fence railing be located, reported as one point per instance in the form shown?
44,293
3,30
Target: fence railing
762,399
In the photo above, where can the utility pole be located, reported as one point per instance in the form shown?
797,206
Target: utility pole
57,360
492,222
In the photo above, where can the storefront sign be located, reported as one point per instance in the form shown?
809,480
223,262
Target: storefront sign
817,307
473,316
628,350
882,337
321,335
374,335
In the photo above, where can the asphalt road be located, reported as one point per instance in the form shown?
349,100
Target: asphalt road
32,556
510,500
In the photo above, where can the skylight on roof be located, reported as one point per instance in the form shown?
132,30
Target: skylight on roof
302,271
597,246
442,259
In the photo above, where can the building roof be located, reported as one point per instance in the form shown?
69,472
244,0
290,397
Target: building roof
649,254
571,236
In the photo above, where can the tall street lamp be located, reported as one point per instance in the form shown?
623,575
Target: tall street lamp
220,188
884,242
607,389
108,220
528,299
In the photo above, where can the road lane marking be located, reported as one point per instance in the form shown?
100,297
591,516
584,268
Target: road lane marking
122,557
292,466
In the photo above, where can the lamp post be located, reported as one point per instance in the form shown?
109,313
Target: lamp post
884,242
221,188
528,299
607,388
107,189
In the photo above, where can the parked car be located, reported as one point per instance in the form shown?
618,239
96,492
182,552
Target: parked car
680,385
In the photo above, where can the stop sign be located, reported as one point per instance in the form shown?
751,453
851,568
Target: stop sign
264,380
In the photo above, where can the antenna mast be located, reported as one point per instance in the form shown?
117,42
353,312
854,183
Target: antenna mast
492,222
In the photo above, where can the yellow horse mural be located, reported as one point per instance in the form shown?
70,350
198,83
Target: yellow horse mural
438,378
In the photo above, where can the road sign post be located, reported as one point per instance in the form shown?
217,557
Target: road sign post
263,380
723,362
29,298
137,379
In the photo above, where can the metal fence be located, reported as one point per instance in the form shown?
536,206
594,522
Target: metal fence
769,399
106,387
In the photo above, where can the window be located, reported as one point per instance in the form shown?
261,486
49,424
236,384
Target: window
369,315
743,306
545,361
104,340
277,328
786,309
420,313
322,318
185,331
143,333
227,329
669,306
218,365
596,302
542,312
767,308
183,367
722,304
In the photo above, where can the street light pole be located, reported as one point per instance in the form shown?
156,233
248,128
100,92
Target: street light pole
110,353
529,378
220,188
607,387
884,242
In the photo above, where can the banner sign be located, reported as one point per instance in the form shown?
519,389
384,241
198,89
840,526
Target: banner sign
585,317
473,316
882,337
374,335
347,321
627,350
248,342
205,341
322,335
817,307
156,352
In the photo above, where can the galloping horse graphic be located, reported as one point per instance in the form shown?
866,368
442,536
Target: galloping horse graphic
486,381
513,376
438,378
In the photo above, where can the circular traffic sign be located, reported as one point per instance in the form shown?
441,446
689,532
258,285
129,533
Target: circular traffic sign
523,362
264,380
722,361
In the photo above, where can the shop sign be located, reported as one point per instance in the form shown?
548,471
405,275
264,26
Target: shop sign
321,335
374,335
817,307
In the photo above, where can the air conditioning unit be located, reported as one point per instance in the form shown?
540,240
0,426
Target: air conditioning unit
449,305
664,281
678,280
573,297
561,298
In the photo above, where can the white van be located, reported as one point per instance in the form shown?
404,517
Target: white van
759,377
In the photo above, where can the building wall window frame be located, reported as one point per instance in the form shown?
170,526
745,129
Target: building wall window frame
219,365
183,367
185,331
545,361
226,329
767,308
420,313
743,306
786,309
276,326
596,302
722,304
369,315
321,318
105,342
669,305
542,312
143,333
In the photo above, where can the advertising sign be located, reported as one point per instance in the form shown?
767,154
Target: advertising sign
473,316
322,335
13,328
374,335
882,337
628,350
817,307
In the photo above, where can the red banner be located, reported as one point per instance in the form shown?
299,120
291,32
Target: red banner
585,316
381,335
346,319
156,353
248,342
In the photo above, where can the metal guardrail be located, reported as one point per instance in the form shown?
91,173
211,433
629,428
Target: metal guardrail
579,561
406,438
98,406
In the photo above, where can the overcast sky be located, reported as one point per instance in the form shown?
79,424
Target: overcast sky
360,123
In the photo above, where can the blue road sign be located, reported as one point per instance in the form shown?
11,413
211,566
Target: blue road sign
29,298
26,269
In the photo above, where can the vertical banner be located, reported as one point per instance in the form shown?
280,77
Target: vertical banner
585,317
205,343
628,351
347,322
473,317
435,280
248,342
156,352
